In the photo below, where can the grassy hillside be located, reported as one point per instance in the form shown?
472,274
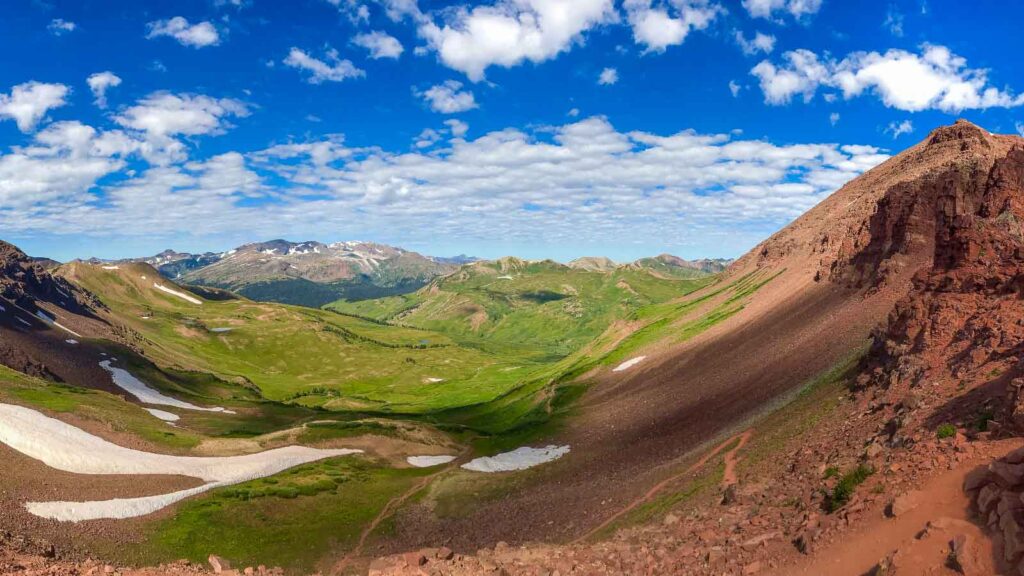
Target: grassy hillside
307,356
543,310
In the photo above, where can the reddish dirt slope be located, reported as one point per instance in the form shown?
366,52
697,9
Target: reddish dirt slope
842,267
934,229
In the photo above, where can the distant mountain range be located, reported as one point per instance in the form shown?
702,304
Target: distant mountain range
314,273
664,264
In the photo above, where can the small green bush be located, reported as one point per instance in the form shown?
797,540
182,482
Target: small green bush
945,431
841,494
830,472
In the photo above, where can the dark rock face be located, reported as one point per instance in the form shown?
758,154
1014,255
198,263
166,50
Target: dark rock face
25,282
964,310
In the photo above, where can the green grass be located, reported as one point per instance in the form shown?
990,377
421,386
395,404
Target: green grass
290,520
946,430
379,356
284,353
117,414
843,491
542,310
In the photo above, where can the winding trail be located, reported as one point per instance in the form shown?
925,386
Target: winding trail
388,510
730,472
731,459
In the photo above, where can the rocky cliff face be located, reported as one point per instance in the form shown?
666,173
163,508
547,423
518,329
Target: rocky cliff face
26,283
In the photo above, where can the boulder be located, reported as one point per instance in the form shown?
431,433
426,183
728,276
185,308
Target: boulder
964,556
977,478
1007,475
902,504
218,564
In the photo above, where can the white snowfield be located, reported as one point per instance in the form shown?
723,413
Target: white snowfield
111,267
53,322
518,459
177,293
428,461
163,415
147,395
629,364
70,449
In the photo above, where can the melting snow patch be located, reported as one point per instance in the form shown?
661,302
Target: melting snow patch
71,341
177,293
518,459
163,415
147,395
428,461
23,321
44,317
221,329
629,364
433,380
70,449
111,267
505,278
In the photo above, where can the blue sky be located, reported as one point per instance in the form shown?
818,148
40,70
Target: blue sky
541,128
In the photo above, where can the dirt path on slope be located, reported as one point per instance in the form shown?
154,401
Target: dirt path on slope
730,458
920,537
390,508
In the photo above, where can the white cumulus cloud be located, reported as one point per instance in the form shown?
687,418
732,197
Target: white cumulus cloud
608,76
448,97
935,79
506,33
331,69
761,42
659,26
458,128
161,117
898,129
379,44
198,35
60,26
583,181
771,9
99,83
28,103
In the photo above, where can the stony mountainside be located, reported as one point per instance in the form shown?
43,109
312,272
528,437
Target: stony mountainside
32,301
663,264
675,266
27,283
176,264
304,273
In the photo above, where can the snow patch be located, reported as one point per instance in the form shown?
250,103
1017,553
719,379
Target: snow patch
221,329
629,364
147,395
506,277
71,341
518,459
111,267
163,415
66,448
177,293
23,321
433,380
428,461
